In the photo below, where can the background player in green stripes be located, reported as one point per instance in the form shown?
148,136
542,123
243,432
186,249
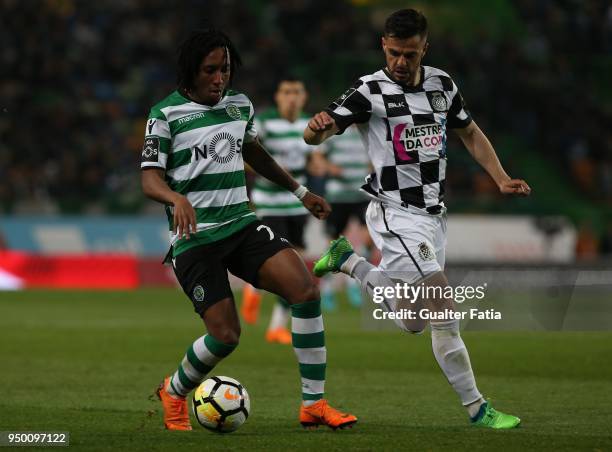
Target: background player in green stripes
280,131
347,166
192,161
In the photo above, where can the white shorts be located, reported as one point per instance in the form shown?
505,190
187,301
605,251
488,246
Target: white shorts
412,245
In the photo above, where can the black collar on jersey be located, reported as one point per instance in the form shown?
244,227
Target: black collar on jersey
408,88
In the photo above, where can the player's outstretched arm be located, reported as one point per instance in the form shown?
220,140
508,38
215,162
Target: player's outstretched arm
320,127
258,158
482,150
155,187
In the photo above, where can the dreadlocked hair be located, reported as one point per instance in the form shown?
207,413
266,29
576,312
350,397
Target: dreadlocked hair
194,49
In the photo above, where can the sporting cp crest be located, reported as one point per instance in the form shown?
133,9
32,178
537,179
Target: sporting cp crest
233,111
425,252
438,101
198,293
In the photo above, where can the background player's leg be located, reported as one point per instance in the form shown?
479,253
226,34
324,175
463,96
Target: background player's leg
357,211
223,325
286,275
279,319
251,300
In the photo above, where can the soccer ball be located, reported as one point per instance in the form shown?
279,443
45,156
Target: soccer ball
221,404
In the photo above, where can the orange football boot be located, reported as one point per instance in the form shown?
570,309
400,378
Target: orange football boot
251,299
279,335
320,413
176,416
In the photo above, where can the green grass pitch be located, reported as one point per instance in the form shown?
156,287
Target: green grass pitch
87,362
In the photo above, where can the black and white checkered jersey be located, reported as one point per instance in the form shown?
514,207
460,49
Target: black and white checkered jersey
404,130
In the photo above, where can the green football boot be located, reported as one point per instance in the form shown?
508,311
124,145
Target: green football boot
489,417
338,252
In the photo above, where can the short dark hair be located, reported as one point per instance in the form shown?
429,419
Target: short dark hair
195,48
288,78
406,23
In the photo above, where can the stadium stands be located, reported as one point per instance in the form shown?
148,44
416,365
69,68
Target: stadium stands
78,78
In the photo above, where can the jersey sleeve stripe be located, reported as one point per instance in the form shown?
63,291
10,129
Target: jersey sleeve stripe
458,116
352,107
152,165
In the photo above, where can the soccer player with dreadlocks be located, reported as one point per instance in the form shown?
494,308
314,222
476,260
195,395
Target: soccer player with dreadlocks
197,141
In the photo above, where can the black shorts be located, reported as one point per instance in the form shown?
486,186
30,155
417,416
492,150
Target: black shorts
290,227
341,214
202,270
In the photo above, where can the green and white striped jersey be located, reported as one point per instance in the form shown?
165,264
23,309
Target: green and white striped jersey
347,152
199,147
284,141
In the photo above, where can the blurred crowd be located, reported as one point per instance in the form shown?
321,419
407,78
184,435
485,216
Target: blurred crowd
570,46
79,77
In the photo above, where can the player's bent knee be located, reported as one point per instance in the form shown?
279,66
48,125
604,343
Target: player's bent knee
228,336
222,331
303,293
310,293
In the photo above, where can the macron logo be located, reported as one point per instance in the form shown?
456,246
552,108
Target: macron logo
191,117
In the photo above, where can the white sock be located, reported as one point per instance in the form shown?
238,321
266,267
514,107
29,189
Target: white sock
453,359
348,266
474,408
280,317
359,267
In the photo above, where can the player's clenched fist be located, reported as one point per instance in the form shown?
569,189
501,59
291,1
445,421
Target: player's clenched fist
316,205
515,187
321,121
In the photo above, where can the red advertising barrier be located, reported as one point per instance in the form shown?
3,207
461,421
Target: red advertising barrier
112,271
19,270
152,273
